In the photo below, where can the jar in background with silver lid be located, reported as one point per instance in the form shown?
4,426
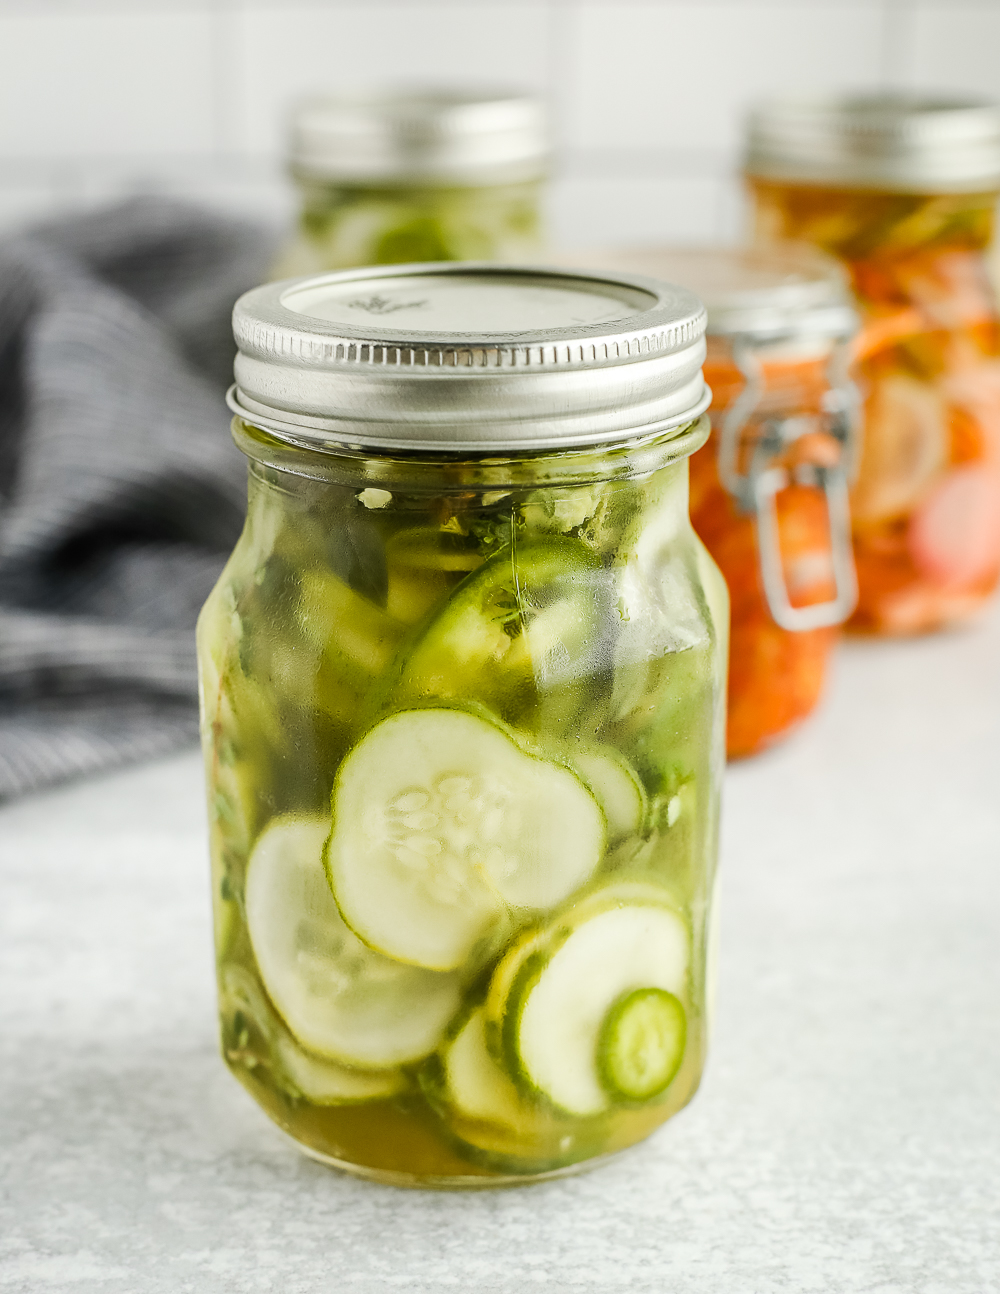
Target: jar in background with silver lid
462,691
903,189
769,489
436,176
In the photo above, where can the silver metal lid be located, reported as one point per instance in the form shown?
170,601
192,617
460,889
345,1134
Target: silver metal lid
899,142
407,139
468,357
761,292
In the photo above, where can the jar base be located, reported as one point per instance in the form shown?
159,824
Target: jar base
452,1182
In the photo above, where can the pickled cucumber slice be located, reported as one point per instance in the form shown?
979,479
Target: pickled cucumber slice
424,565
484,1109
641,1044
553,1024
345,643
357,635
474,1084
325,1082
615,786
321,1082
499,1038
338,998
521,622
442,826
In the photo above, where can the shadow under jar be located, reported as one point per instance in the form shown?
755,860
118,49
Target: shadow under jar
392,178
462,691
903,190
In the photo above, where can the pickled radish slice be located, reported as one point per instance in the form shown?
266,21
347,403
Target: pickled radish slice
905,446
955,537
337,997
442,825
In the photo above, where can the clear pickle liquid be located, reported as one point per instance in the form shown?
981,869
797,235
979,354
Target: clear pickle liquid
546,636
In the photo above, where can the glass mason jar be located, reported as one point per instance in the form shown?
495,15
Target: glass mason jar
416,177
462,694
769,487
903,190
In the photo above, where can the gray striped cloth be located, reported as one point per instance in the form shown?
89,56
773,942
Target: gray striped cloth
121,492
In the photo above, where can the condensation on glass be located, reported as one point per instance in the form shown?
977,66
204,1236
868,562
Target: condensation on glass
391,178
462,691
903,190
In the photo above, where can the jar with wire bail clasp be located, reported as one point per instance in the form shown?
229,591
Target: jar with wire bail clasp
903,189
463,712
391,177
769,492
769,489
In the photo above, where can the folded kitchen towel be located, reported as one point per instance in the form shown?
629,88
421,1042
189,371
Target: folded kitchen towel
121,491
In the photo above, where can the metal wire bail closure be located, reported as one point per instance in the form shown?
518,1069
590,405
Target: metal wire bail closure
755,490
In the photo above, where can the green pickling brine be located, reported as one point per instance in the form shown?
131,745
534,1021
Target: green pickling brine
397,178
462,694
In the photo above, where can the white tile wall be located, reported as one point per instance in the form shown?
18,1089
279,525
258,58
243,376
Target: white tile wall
288,50
75,84
957,45
675,76
601,210
99,98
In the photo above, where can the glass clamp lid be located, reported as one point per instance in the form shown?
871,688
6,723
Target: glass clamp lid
468,358
417,138
896,142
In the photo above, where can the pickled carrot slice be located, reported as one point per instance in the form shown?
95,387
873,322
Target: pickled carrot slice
882,330
954,538
975,388
776,679
951,288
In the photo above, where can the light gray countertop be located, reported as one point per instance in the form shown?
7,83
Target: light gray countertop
846,1138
